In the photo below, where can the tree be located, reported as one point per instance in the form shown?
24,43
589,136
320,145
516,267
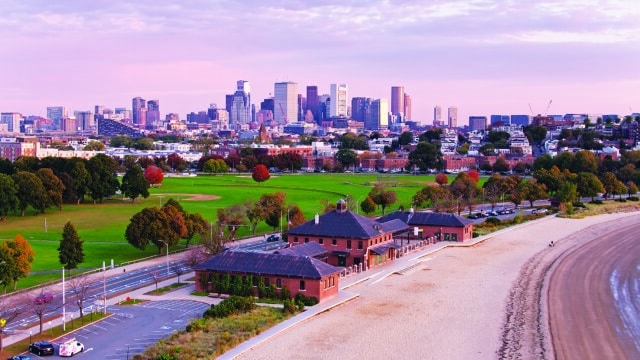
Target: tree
134,184
437,197
232,217
79,288
8,195
260,173
584,161
255,214
52,185
347,157
151,226
532,191
382,197
442,179
425,156
474,175
273,207
632,188
367,205
70,250
176,162
30,192
501,165
610,183
19,257
154,175
588,184
405,138
494,189
94,146
10,309
196,225
295,216
465,190
104,181
535,134
81,179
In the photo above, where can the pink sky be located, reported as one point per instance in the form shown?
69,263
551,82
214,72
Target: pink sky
485,57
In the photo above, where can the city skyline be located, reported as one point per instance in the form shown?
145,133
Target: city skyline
483,57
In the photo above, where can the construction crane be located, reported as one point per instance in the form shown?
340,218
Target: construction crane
530,109
547,110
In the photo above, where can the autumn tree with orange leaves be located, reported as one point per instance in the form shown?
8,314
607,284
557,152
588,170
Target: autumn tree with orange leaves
260,173
16,257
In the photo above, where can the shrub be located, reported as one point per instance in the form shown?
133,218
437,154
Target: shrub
306,300
285,294
596,202
289,306
230,306
633,198
621,200
579,204
475,234
493,220
517,219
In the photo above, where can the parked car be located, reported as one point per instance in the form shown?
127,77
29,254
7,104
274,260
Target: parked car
41,348
539,211
273,238
492,213
43,298
70,348
19,357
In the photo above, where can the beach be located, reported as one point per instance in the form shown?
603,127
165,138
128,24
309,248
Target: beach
460,303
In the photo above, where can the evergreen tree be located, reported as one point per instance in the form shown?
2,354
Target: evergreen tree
70,249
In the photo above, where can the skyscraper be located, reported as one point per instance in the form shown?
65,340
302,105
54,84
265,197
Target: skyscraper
313,101
56,113
407,107
477,123
12,119
139,112
437,116
241,104
339,98
360,107
453,117
378,115
153,115
397,102
84,120
285,102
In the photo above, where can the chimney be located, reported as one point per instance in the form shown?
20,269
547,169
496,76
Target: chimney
317,219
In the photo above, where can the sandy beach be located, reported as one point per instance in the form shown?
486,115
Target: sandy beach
453,306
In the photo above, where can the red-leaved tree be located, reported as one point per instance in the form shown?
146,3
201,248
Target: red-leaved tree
154,175
474,175
260,173
442,179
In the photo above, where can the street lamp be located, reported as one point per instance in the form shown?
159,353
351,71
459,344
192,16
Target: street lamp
167,244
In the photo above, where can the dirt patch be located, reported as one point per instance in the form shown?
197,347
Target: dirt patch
192,197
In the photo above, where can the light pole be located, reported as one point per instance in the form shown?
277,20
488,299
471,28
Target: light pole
167,244
104,288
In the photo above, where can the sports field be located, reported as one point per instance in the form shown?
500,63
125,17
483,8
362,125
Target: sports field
102,226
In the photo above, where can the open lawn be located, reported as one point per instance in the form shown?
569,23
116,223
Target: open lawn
102,226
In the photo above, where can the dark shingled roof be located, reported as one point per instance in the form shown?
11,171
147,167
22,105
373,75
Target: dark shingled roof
427,219
267,264
312,249
343,224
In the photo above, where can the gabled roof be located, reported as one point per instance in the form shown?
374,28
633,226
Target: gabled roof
341,224
267,264
427,219
312,249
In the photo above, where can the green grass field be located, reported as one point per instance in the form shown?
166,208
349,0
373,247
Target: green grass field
102,226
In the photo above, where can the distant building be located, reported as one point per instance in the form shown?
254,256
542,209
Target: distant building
378,115
452,114
84,120
360,108
477,123
56,113
153,115
13,148
139,112
522,120
407,107
397,102
313,101
240,112
437,116
339,100
442,226
12,120
108,127
500,120
285,102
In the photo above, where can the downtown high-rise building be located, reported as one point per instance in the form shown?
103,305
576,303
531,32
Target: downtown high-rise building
407,107
378,115
153,115
84,120
452,116
477,123
437,116
339,100
56,114
360,107
240,110
285,102
139,112
500,120
397,102
12,121
313,101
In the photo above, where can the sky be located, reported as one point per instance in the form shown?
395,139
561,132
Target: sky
483,56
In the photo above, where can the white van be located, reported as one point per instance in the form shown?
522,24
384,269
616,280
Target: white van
70,348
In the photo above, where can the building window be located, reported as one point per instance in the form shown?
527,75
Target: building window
348,244
295,239
454,237
302,285
331,281
360,245
306,240
278,283
321,241
334,242
266,282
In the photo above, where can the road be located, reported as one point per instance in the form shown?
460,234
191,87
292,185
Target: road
586,323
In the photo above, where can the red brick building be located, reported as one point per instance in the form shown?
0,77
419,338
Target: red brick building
299,274
442,226
349,238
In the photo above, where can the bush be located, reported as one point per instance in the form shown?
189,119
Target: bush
492,220
517,219
621,200
306,300
633,198
579,204
230,306
475,234
596,202
289,306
